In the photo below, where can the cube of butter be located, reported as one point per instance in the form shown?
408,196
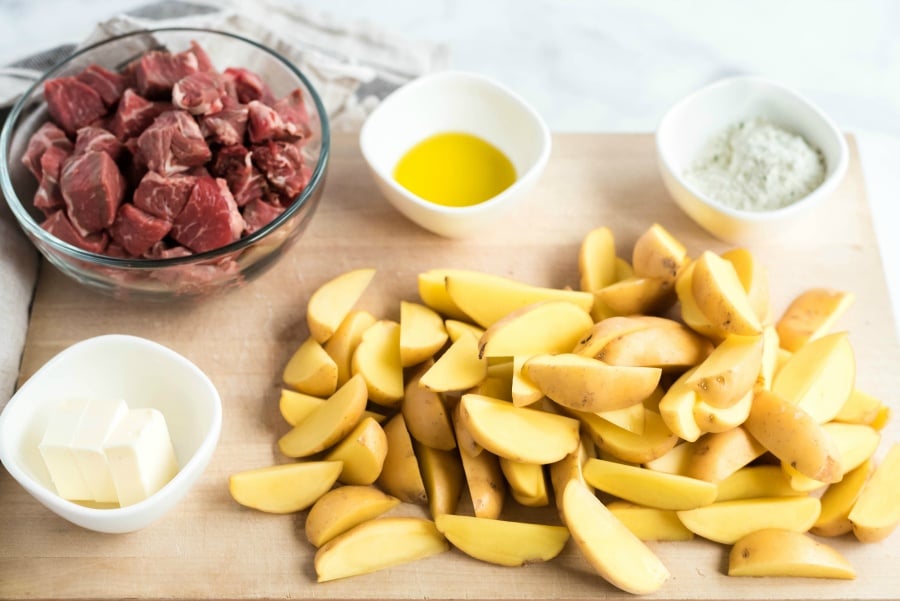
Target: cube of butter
98,421
56,451
140,455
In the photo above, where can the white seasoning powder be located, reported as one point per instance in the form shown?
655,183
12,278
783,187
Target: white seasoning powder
757,166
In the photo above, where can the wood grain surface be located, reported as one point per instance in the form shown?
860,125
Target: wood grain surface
211,548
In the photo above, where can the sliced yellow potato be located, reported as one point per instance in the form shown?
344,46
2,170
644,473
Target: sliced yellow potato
285,488
464,441
458,368
486,484
571,467
721,419
779,552
675,461
636,295
502,542
627,418
755,482
607,330
718,455
518,433
669,348
619,556
442,475
690,312
727,522
860,408
729,372
345,339
400,476
362,549
548,327
377,360
721,297
527,482
838,500
648,487
311,370
811,315
330,304
342,508
650,523
362,453
523,391
422,333
676,407
432,286
754,279
657,254
295,406
597,259
328,423
656,439
876,512
427,418
456,328
770,355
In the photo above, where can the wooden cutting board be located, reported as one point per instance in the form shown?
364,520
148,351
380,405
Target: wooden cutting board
211,548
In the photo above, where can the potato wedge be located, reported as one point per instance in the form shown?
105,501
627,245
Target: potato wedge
401,475
502,542
719,419
459,368
523,391
729,372
432,285
647,487
691,314
571,467
811,315
548,327
284,488
311,370
674,461
860,408
442,474
650,523
527,482
342,508
296,406
607,330
377,360
330,304
346,338
427,418
779,552
597,259
676,407
754,279
636,295
608,545
755,482
838,500
518,433
422,333
456,328
876,513
328,423
657,254
628,418
587,384
716,456
362,453
361,550
486,484
665,347
721,297
655,441
727,522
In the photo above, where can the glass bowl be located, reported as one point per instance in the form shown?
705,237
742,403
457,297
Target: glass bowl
194,275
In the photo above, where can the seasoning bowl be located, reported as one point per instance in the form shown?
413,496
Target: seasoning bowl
143,374
695,120
458,102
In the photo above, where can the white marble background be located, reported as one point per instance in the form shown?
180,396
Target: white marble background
617,65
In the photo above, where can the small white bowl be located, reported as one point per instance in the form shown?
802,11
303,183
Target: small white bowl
692,122
453,101
143,374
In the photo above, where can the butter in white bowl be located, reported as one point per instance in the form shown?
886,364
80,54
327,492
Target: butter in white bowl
157,386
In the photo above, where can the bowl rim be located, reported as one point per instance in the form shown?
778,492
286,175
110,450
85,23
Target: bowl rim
193,466
27,222
546,143
830,181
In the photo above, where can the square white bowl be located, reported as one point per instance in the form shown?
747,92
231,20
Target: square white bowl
143,374
689,125
453,101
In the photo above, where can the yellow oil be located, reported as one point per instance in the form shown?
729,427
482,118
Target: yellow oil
455,169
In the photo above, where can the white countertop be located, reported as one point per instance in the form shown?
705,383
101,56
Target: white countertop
617,65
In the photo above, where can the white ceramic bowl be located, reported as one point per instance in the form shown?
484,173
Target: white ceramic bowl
143,374
693,121
457,102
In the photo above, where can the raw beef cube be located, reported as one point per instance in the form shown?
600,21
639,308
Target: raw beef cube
163,195
227,127
210,219
249,86
60,226
282,164
259,213
134,114
264,123
158,70
108,84
200,93
46,136
72,104
204,63
92,188
101,140
137,231
234,165
48,197
292,110
161,250
173,144
114,249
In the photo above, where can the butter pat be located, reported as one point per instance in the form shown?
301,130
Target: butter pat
97,422
56,448
140,455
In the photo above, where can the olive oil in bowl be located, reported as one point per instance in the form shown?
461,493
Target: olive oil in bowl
455,169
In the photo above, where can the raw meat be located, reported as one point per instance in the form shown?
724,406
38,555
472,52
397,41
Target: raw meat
227,127
137,231
48,197
200,93
249,86
282,164
101,140
204,63
92,189
210,219
46,136
108,84
134,114
259,213
292,110
234,165
173,143
163,195
72,104
157,71
60,226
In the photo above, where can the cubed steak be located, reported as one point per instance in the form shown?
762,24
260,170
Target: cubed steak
72,104
59,225
204,63
259,213
210,219
227,127
98,139
292,110
108,84
163,196
200,93
173,144
282,164
234,165
158,70
137,231
47,135
48,197
92,188
134,114
249,86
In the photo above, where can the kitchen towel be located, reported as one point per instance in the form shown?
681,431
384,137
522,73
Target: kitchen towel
352,64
